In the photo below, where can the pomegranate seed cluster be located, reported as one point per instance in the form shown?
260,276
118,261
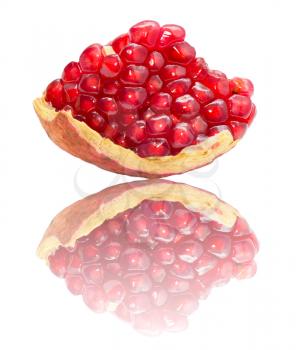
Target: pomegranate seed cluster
152,264
148,92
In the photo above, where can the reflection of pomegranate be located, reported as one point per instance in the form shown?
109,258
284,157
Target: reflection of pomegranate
146,105
148,251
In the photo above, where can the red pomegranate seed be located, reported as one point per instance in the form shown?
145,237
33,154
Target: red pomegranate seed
110,87
111,130
85,103
135,259
55,94
219,245
127,118
93,274
154,84
112,251
89,253
198,125
71,93
145,33
159,295
138,282
157,273
90,83
159,124
239,105
243,251
155,61
179,87
202,94
164,255
252,115
243,271
154,148
242,86
180,53
161,102
216,111
132,97
238,129
197,70
205,263
137,131
149,323
91,59
94,298
172,72
59,261
218,82
162,232
111,66
134,53
108,106
75,284
158,209
95,121
189,251
175,284
169,34
181,135
183,220
120,42
186,107
137,303
114,291
134,75
184,304
71,72
182,269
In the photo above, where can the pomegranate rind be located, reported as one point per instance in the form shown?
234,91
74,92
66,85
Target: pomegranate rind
83,142
80,218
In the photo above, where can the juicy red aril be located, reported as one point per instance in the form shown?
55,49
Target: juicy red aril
91,59
170,34
180,53
131,97
71,93
202,93
155,61
95,121
172,71
153,85
161,102
55,94
137,131
238,129
111,66
107,105
145,33
216,111
157,147
148,72
134,75
181,135
242,86
179,87
186,107
120,42
71,72
134,53
159,124
239,106
179,259
90,83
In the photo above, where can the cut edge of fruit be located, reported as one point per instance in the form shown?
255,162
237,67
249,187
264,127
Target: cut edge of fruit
80,218
83,142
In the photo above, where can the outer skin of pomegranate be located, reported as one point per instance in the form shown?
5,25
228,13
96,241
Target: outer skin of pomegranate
149,249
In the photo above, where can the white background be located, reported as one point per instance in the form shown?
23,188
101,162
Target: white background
255,39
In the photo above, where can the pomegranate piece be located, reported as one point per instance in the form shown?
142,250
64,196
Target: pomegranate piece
150,70
178,256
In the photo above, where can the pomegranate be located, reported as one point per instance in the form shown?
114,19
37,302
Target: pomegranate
149,251
129,106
